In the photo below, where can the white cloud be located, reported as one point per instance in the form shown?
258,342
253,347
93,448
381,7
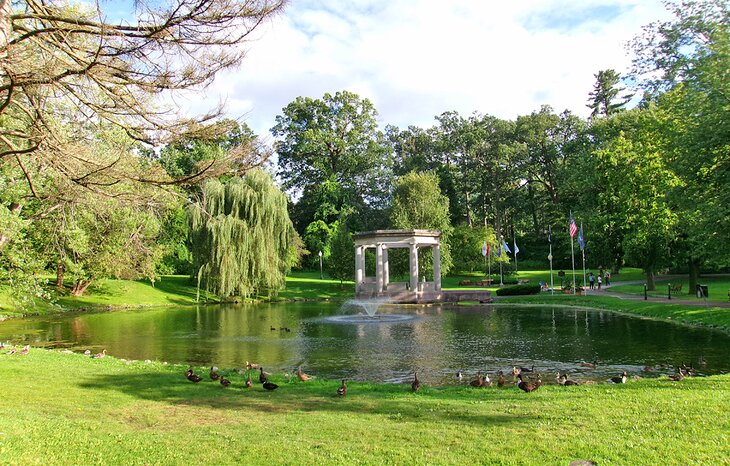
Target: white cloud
417,59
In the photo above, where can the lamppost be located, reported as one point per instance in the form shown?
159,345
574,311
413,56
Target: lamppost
321,276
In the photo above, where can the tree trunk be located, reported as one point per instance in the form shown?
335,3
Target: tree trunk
650,285
60,270
468,209
81,286
694,274
5,28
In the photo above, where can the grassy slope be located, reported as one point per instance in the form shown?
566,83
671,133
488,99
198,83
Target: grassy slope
68,409
718,289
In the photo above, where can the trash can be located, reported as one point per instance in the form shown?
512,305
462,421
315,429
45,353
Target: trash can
702,291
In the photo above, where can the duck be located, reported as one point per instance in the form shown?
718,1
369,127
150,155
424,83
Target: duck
416,384
87,352
526,369
621,378
270,386
225,382
251,365
194,377
249,382
189,372
478,381
459,376
301,375
528,387
214,374
564,380
486,381
677,377
701,361
516,372
273,329
100,355
590,365
558,379
12,350
263,376
342,391
500,379
25,350
648,369
287,329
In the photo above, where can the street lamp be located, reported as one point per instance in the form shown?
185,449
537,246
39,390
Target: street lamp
321,276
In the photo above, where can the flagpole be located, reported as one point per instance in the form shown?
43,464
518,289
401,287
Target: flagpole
489,260
550,257
572,254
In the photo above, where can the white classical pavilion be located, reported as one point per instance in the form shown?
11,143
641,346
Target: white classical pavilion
380,285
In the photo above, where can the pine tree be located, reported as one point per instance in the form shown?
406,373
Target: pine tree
605,99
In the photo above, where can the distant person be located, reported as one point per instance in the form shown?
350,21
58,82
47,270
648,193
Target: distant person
607,277
599,282
561,274
591,280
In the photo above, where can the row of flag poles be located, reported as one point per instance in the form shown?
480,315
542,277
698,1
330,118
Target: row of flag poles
572,230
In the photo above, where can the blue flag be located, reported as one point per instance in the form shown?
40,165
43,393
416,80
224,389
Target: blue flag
581,241
506,248
515,244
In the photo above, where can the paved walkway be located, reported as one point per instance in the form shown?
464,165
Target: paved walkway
606,291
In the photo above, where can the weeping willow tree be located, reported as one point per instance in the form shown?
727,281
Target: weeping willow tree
241,234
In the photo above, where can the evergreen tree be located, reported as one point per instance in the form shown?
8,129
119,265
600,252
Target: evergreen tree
241,236
341,263
606,99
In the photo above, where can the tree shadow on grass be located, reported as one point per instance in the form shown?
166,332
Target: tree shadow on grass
394,401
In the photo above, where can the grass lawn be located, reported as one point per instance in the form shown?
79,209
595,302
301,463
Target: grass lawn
69,409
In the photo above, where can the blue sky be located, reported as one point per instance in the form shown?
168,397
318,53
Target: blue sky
415,59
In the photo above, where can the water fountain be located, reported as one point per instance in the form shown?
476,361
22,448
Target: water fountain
365,311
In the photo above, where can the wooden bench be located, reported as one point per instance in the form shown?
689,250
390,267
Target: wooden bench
523,282
676,288
485,282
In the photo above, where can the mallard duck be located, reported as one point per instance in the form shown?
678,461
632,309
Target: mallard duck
620,378
214,374
486,381
251,365
342,391
566,381
590,365
459,376
249,382
516,371
100,355
558,379
225,382
25,350
478,381
301,375
416,384
194,378
500,379
528,386
525,369
270,386
189,372
263,376
87,352
12,350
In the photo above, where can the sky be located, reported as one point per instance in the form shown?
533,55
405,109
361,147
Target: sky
415,59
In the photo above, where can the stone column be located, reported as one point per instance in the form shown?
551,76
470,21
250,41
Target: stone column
386,268
414,267
437,267
379,267
359,267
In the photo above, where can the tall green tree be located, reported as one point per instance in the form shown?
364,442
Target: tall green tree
419,204
335,138
607,97
341,261
241,236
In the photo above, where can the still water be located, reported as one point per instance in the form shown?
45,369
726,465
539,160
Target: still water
437,341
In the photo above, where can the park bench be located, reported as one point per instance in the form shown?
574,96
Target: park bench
676,288
485,282
523,282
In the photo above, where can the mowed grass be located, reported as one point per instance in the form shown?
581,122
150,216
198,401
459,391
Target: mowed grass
718,288
69,409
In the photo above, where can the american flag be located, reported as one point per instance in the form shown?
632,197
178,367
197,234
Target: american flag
573,228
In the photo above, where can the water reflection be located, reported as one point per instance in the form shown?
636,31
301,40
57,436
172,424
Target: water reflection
438,341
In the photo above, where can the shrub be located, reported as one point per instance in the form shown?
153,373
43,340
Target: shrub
518,290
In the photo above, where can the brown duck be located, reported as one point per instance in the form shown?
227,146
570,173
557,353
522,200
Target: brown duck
249,382
342,391
500,379
301,375
263,376
270,386
416,384
214,374
528,386
225,382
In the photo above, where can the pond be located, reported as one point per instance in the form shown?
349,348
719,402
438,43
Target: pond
437,341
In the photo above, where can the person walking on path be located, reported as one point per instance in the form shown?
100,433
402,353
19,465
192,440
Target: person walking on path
599,282
591,280
608,277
